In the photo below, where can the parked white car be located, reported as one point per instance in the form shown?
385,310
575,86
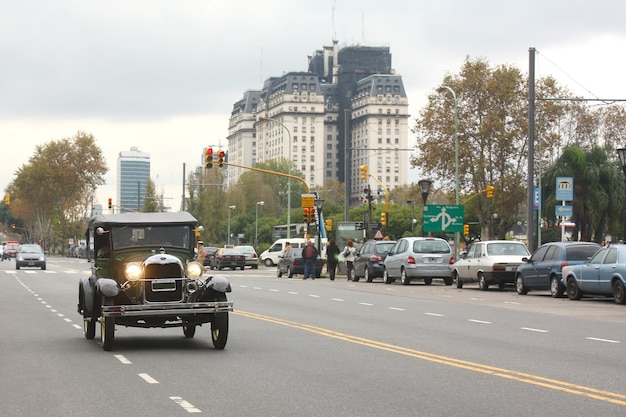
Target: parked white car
489,262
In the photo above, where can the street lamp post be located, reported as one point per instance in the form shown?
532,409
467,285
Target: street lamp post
621,152
319,204
289,144
424,186
229,209
410,202
456,162
256,223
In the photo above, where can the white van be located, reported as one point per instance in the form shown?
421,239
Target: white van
270,256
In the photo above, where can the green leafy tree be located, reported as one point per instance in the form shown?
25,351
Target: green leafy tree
151,202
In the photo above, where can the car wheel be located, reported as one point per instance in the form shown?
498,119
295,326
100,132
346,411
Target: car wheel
403,278
448,280
219,327
268,262
242,267
573,292
556,288
367,275
428,281
619,292
89,325
255,267
289,273
278,272
482,282
520,287
43,268
459,283
189,330
17,265
386,277
107,329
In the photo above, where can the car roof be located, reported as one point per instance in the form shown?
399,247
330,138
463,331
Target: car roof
125,219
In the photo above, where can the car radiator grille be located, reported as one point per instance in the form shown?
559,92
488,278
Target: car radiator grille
163,283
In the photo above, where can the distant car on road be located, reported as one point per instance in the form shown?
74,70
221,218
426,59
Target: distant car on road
369,259
29,255
209,253
542,271
291,263
489,262
418,258
603,274
228,258
252,260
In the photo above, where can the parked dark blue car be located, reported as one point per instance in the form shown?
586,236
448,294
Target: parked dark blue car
542,271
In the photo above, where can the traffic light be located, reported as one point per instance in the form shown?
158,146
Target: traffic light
208,158
220,158
383,218
110,203
490,191
306,214
328,225
363,169
466,230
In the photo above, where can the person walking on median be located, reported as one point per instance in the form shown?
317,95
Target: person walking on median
349,254
309,254
332,253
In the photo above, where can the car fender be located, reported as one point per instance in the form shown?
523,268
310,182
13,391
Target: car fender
107,287
219,283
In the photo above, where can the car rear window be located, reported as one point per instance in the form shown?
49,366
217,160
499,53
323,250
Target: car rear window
384,247
581,253
430,246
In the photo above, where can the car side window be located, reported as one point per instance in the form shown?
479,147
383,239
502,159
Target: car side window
540,254
598,257
403,246
611,257
478,251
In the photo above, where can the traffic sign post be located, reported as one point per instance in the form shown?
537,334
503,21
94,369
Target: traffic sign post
443,218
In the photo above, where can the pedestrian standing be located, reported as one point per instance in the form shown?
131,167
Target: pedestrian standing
309,254
200,255
332,253
349,254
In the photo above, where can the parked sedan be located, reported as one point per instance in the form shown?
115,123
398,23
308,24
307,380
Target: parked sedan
252,260
369,259
489,262
603,274
542,271
418,258
228,258
291,263
30,256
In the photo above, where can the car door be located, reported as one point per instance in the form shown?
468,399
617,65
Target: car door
537,263
394,259
606,271
589,272
360,263
464,263
474,264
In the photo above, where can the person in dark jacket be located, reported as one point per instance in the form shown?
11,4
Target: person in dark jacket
332,255
309,254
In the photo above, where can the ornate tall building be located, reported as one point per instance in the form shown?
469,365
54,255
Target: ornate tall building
348,109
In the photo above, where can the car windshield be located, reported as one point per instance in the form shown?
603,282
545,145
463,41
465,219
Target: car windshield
132,236
30,249
230,252
245,249
430,246
506,249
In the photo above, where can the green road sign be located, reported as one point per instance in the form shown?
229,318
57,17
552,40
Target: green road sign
443,218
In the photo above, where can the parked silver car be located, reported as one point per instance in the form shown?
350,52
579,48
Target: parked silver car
252,260
418,258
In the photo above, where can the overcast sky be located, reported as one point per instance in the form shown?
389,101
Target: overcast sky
163,75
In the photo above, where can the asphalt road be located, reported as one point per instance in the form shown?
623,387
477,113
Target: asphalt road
316,348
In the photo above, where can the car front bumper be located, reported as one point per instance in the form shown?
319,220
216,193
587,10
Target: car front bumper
167,309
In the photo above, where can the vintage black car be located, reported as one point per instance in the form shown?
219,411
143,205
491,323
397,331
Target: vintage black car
143,275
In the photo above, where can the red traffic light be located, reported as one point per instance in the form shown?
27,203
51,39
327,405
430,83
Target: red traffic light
209,151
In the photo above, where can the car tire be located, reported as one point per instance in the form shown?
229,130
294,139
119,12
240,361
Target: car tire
17,265
482,282
219,327
619,292
89,328
353,276
403,278
367,276
242,267
255,267
278,272
386,278
189,330
268,262
107,329
556,288
289,273
448,280
428,281
520,287
573,292
459,282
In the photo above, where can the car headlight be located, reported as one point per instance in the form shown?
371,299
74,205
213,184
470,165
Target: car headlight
194,269
132,271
